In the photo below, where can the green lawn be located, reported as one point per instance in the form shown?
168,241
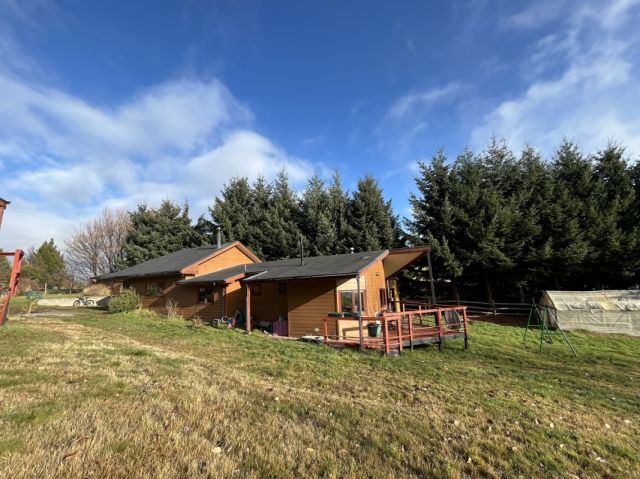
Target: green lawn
135,396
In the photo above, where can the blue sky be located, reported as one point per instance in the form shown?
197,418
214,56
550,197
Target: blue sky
118,103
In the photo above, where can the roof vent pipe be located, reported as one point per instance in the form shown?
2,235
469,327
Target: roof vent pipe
352,249
301,251
219,243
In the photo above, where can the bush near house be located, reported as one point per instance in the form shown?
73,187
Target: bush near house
125,302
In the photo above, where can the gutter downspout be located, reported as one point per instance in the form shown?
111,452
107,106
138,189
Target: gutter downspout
433,289
359,312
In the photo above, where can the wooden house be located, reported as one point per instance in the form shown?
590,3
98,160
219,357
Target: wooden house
290,297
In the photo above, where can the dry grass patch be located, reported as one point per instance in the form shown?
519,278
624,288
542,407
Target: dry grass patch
121,396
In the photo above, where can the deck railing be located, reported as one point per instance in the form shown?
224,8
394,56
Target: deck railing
399,329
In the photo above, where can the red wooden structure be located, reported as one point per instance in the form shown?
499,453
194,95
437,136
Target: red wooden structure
400,330
8,286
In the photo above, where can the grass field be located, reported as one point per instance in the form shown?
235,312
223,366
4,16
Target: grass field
98,395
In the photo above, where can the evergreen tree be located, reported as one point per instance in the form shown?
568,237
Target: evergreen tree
230,211
613,239
159,231
345,237
315,224
262,227
372,217
286,214
568,217
432,223
46,265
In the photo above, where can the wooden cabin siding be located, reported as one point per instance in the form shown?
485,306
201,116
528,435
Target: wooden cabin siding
270,303
231,257
185,296
309,302
375,281
235,298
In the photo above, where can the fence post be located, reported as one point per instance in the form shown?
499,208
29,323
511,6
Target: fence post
326,330
493,305
439,316
399,323
410,319
466,335
385,332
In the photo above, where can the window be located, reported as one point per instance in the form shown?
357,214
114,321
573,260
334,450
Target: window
383,298
206,295
282,288
256,289
153,289
349,301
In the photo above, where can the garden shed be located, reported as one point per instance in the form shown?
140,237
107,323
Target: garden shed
614,311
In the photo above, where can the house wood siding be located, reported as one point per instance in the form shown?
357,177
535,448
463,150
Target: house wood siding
375,281
234,299
186,297
228,258
309,302
270,303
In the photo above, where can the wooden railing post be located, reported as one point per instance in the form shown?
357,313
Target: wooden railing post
399,324
410,319
439,316
326,330
466,335
385,332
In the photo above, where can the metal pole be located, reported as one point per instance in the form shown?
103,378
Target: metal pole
433,289
359,312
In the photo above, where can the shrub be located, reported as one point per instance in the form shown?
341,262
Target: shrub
126,301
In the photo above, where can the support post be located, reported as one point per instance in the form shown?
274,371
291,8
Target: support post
385,332
360,313
439,316
248,323
410,319
466,335
433,289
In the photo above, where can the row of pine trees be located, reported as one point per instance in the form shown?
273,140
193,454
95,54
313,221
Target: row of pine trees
502,225
271,219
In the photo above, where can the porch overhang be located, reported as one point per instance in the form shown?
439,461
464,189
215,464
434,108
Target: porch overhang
400,258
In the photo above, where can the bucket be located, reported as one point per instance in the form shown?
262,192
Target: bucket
373,329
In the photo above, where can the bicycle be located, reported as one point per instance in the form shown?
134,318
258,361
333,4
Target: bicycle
82,301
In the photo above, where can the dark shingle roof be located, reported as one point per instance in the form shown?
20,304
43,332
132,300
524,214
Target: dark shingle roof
171,263
315,266
221,275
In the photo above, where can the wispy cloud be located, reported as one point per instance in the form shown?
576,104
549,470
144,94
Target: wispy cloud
581,86
421,100
62,158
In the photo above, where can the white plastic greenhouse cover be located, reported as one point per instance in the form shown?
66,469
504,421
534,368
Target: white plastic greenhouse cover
614,311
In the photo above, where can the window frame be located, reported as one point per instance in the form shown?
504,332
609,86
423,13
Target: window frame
354,302
159,292
212,294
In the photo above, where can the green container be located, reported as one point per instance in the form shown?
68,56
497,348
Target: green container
335,315
374,330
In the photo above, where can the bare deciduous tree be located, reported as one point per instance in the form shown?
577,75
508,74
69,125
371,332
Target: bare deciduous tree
96,248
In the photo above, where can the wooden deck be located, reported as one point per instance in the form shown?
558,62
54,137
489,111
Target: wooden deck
403,330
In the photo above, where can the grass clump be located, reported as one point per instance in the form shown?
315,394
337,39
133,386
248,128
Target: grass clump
127,301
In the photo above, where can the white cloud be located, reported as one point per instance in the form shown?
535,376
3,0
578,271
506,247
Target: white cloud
418,101
582,85
63,158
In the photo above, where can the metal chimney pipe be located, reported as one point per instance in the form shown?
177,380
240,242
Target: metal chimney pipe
301,251
219,243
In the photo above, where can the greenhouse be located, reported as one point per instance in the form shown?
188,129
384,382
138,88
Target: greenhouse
615,311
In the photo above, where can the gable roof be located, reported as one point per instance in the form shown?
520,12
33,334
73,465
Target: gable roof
349,264
314,267
173,263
